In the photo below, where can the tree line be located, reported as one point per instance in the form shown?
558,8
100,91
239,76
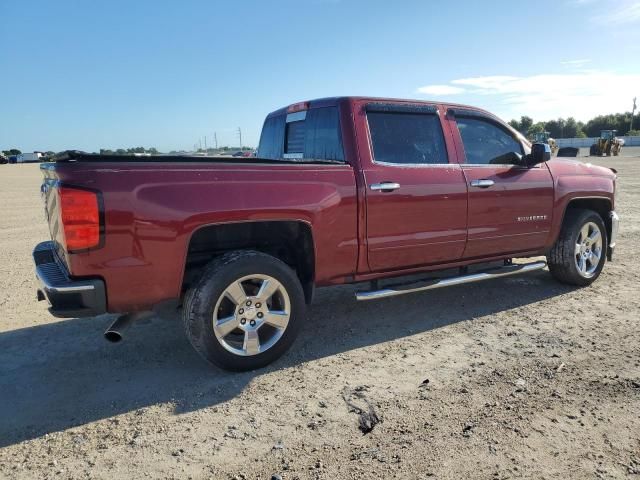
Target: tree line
129,151
571,128
140,151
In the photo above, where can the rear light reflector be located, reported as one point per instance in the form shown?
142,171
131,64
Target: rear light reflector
80,218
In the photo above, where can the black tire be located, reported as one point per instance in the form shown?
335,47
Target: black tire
593,150
562,257
200,302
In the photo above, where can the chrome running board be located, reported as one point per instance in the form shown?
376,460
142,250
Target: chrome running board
447,282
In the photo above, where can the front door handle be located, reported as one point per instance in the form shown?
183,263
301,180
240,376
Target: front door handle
482,183
385,186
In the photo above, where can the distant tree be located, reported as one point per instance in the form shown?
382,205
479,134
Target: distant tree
555,128
523,125
535,128
571,128
12,151
633,133
616,121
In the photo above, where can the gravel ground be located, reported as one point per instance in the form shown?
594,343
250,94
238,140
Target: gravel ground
513,378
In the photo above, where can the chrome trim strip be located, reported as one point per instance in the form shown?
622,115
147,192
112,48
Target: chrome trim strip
49,287
615,226
482,183
447,282
384,186
418,165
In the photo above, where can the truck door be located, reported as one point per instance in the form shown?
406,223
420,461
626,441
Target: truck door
416,194
510,205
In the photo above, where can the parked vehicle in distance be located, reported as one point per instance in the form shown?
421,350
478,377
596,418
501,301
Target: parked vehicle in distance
343,190
29,157
608,144
3,159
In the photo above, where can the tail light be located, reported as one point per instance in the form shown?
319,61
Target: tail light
298,107
80,215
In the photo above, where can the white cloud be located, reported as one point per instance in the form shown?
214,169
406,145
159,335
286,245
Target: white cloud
611,12
627,12
440,90
581,95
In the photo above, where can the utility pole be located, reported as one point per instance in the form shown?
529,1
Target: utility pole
633,111
240,135
215,139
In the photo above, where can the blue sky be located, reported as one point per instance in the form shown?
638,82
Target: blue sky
90,75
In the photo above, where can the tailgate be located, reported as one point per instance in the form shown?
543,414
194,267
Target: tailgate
49,193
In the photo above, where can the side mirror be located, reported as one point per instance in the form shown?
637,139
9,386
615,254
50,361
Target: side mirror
540,153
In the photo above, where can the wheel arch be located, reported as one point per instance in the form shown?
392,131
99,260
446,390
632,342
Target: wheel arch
291,241
601,205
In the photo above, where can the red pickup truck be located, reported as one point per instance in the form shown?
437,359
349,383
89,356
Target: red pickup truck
342,190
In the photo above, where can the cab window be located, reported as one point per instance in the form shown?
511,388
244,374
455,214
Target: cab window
304,135
486,143
407,138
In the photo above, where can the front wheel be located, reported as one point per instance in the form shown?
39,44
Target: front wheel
578,256
245,311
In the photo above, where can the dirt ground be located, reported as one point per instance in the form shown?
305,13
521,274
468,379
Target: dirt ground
513,378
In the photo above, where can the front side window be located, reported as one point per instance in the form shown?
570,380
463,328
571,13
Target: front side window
486,143
407,138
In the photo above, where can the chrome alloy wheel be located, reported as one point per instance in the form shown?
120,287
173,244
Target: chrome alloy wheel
588,249
251,315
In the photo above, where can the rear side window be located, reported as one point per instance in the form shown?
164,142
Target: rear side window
407,138
270,145
310,134
487,143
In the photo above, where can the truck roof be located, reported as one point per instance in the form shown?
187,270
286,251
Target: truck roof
335,101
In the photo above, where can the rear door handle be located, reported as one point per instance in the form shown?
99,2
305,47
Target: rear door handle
385,186
482,183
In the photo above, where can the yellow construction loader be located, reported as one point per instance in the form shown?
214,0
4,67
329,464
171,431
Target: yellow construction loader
608,144
544,137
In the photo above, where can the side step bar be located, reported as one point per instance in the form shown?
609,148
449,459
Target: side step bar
447,282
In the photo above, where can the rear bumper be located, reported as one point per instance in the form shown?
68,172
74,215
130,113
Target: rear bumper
68,298
615,226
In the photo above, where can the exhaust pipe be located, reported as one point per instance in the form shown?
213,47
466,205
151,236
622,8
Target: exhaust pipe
115,332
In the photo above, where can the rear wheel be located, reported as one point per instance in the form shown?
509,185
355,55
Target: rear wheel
578,256
245,311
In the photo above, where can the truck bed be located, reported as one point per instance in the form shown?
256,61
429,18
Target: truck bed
79,156
153,206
